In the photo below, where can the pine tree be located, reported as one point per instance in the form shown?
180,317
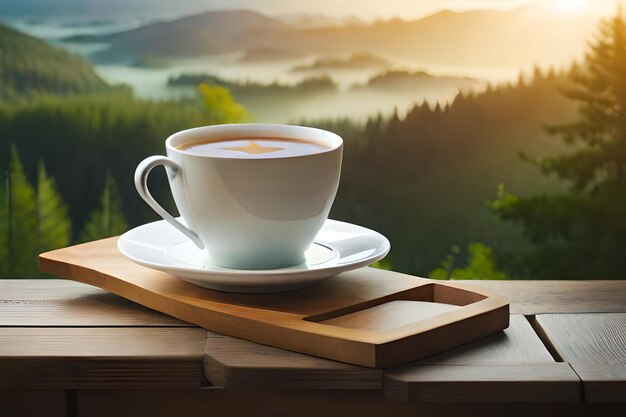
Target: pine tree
108,219
582,233
54,226
21,234
30,222
5,258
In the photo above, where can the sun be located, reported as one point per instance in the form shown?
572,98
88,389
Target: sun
570,6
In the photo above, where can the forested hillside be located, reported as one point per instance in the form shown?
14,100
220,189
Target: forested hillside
29,66
424,180
69,145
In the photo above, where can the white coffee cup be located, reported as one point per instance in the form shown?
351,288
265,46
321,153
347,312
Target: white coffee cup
248,213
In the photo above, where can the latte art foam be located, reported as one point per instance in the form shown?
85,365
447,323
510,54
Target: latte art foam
254,148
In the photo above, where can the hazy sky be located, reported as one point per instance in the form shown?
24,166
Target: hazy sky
365,9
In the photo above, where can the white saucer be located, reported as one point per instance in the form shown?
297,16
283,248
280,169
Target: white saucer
338,247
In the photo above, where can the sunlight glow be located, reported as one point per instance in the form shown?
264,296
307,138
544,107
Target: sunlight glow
570,6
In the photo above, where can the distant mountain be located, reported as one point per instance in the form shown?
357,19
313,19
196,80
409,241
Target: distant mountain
309,85
203,34
270,55
515,38
29,65
399,81
353,61
310,21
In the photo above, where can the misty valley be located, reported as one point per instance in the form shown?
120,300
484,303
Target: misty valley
375,67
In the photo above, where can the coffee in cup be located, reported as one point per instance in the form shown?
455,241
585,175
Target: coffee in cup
254,148
252,196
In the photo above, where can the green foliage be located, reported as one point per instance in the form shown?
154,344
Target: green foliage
28,66
80,138
581,233
445,269
598,136
382,264
5,249
480,265
220,105
22,214
54,228
30,221
108,219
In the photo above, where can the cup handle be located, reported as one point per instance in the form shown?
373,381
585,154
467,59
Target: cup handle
141,183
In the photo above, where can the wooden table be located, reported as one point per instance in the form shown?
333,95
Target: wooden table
69,349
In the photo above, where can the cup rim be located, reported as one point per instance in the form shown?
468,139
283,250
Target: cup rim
258,130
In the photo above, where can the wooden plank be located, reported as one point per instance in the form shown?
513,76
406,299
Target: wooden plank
56,302
539,297
40,302
62,302
306,403
595,346
236,363
101,357
516,345
236,403
485,383
32,402
512,366
294,320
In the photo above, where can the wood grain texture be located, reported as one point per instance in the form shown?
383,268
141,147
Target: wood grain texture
236,363
485,352
24,403
595,346
515,346
540,297
485,383
292,320
101,357
56,302
389,315
512,366
238,403
306,403
37,302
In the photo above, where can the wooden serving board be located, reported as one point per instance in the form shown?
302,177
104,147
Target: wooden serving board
367,317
